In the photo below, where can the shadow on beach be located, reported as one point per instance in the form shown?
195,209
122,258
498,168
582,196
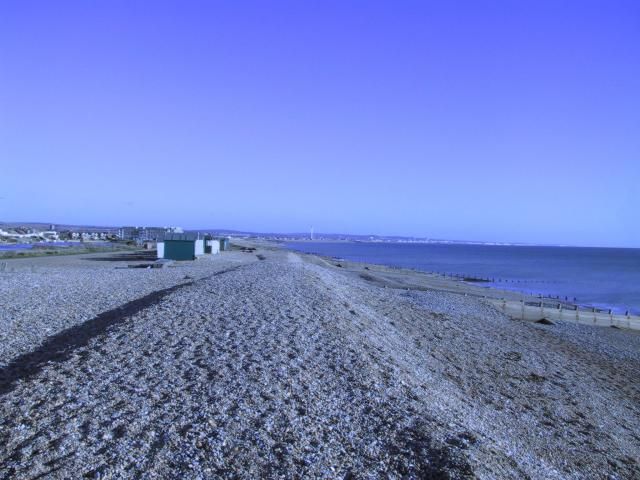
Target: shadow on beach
148,256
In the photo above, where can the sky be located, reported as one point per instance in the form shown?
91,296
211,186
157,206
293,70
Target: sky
515,121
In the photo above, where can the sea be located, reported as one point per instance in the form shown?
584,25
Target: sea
591,277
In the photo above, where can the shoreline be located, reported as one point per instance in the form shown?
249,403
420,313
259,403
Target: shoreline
490,285
475,286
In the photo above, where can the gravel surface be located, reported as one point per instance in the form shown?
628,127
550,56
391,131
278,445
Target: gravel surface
41,296
278,367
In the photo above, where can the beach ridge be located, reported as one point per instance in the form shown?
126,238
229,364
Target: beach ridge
290,363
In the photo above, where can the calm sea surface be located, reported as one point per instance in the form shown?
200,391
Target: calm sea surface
600,277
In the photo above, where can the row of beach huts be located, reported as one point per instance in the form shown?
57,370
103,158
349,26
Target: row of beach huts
189,246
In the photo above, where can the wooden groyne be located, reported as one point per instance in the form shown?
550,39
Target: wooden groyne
535,311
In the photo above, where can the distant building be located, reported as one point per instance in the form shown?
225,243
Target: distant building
142,234
51,235
128,233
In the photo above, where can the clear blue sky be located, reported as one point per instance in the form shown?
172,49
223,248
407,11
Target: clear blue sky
491,120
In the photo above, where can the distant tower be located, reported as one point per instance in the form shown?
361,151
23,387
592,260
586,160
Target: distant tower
311,236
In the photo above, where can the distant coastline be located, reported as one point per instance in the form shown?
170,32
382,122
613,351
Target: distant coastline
317,237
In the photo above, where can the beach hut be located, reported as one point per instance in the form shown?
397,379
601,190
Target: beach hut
224,244
182,246
212,246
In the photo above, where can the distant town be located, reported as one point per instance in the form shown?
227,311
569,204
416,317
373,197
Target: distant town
18,233
36,233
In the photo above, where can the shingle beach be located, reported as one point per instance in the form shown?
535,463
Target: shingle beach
272,364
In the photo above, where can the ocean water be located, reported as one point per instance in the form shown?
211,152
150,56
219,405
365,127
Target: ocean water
598,277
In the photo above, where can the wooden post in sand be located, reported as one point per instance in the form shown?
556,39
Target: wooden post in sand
522,304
